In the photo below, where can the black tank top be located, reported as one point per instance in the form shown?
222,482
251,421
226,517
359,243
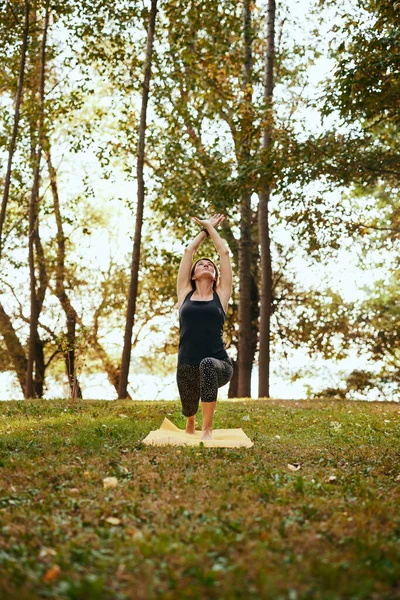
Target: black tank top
201,324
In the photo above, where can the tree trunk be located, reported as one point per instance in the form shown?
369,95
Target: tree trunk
233,384
126,353
71,315
38,382
245,332
67,349
14,347
33,215
264,196
13,141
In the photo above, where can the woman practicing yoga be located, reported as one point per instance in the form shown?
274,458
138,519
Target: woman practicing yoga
203,364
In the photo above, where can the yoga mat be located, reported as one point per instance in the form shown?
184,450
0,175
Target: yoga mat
170,434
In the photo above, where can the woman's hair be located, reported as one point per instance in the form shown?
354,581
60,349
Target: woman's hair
193,283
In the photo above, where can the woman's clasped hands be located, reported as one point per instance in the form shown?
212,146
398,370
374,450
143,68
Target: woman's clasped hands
214,220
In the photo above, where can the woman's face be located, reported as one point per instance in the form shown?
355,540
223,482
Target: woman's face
204,266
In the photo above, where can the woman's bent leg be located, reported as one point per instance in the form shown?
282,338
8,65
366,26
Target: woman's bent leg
214,373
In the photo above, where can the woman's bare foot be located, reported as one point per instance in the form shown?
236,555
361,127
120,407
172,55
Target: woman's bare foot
206,434
190,425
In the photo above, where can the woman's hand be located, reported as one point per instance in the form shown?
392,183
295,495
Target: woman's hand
214,221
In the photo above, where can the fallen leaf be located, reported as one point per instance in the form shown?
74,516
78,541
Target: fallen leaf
74,491
123,416
113,521
135,534
332,479
110,482
52,573
45,552
294,467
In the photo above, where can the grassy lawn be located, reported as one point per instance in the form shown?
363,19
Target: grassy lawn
196,522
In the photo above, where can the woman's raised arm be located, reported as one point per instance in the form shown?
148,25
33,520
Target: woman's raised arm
184,285
224,288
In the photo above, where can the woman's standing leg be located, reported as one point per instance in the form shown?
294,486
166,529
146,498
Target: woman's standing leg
188,380
214,373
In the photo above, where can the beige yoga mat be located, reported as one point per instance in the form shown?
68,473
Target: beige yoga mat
170,434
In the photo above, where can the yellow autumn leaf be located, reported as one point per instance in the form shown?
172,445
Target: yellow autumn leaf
113,521
110,482
294,467
45,552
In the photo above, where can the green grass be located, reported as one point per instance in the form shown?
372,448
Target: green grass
200,523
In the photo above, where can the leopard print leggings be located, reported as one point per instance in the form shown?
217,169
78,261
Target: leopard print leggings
201,381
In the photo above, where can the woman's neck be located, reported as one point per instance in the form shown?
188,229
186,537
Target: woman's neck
203,289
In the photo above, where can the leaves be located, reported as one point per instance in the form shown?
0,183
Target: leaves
110,483
113,521
294,467
53,573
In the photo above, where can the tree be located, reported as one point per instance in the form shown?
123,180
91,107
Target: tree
126,353
263,209
212,109
362,160
68,346
33,235
245,358
13,140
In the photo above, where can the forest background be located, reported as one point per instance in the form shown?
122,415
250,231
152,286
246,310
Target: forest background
285,118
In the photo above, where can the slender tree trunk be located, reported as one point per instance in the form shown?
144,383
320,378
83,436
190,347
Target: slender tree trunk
254,294
263,214
38,382
245,333
126,353
14,347
33,214
13,141
72,316
233,384
70,312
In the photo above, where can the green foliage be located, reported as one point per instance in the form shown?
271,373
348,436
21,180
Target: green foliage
358,156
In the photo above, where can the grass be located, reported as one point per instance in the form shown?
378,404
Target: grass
195,522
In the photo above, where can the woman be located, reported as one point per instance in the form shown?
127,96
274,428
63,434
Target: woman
203,364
